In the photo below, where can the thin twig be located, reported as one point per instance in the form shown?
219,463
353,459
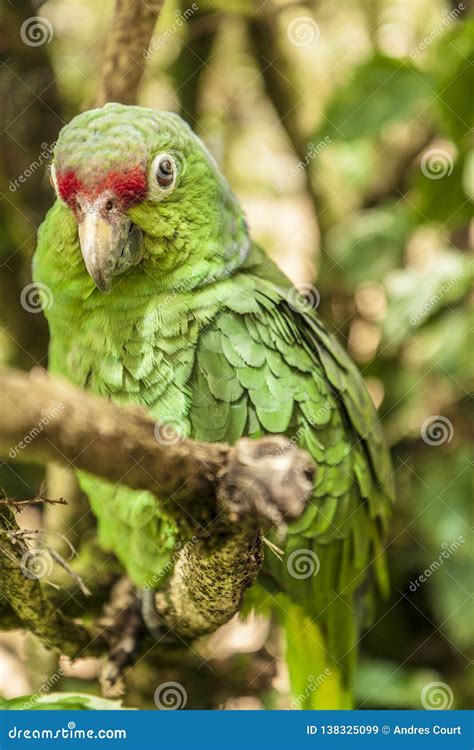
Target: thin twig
18,505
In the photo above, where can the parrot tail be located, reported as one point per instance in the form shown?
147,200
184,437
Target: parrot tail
320,655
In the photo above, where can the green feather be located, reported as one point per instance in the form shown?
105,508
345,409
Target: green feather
201,334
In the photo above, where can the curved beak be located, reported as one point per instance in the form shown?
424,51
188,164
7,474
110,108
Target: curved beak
103,245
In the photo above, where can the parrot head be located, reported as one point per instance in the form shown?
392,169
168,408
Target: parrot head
143,189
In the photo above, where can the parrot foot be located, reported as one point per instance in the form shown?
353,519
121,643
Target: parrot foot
269,480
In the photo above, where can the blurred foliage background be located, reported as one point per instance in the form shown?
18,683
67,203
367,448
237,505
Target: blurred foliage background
343,127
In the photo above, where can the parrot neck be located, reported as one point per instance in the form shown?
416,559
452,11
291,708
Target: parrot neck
195,247
198,272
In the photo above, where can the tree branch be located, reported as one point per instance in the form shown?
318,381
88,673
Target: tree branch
46,419
224,495
27,600
396,183
191,66
263,32
127,41
271,59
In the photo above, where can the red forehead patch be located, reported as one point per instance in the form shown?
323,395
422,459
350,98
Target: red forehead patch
68,186
129,187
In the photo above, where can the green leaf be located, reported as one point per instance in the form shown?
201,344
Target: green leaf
385,684
454,78
382,91
369,245
447,553
414,296
442,196
61,701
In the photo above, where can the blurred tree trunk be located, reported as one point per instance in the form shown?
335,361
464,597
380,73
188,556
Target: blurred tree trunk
126,45
190,68
30,118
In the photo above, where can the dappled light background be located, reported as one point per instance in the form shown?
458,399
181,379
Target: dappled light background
343,127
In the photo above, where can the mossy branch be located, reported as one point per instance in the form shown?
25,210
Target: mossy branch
26,600
222,495
46,419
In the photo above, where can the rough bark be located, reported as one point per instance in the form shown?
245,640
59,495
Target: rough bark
127,41
46,419
29,604
206,586
123,614
223,495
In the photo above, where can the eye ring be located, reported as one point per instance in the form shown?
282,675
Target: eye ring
164,171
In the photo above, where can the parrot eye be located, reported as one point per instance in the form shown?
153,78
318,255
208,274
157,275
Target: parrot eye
163,171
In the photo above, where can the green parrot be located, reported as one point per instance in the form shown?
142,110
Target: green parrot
160,298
